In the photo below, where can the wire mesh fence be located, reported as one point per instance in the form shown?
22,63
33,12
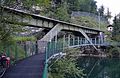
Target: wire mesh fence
20,50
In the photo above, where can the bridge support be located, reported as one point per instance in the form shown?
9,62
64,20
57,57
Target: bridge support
52,33
48,37
86,36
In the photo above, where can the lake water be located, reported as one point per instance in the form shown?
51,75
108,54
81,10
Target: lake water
100,67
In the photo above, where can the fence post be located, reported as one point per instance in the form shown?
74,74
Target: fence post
16,53
45,72
36,47
25,47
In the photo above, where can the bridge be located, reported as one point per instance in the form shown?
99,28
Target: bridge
48,47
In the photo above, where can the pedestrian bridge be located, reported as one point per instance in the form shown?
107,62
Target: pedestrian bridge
36,66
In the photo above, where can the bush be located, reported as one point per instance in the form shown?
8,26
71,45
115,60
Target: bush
65,68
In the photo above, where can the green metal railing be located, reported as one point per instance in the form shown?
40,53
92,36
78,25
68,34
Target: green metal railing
46,65
54,47
51,49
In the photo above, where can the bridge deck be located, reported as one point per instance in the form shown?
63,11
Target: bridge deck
31,67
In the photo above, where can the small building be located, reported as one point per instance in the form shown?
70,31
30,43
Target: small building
110,28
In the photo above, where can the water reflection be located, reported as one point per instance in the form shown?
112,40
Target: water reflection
100,67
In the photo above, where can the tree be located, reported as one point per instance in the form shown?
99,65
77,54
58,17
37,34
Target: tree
93,7
101,11
116,28
108,15
74,5
65,68
62,13
8,25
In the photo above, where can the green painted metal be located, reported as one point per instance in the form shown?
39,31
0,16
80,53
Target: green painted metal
16,52
54,47
45,71
46,65
51,49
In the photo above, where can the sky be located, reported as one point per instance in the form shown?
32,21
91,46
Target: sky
113,5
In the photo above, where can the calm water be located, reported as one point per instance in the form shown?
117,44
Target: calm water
100,67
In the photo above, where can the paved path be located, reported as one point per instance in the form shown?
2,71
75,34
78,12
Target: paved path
31,67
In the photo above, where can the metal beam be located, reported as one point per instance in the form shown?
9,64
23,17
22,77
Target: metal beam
86,36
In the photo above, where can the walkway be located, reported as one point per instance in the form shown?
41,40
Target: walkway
31,67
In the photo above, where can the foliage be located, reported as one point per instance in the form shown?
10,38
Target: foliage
65,68
32,38
82,5
114,51
25,3
108,15
62,13
101,10
7,33
71,51
89,22
11,51
116,28
74,5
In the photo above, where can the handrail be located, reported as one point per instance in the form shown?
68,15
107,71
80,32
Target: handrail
54,48
46,65
45,70
49,52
